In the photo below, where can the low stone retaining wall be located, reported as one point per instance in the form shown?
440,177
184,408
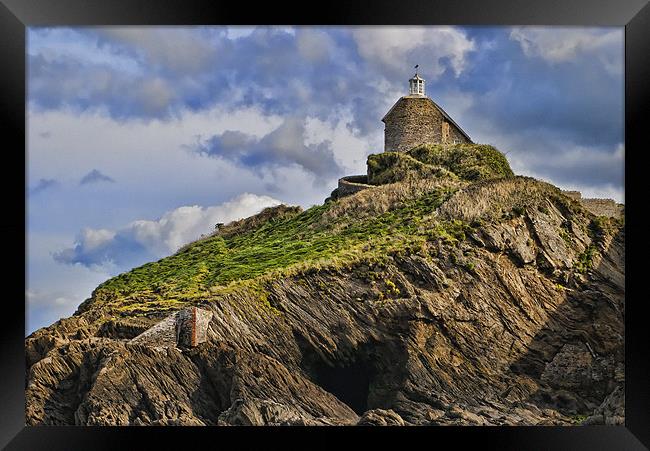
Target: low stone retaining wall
352,184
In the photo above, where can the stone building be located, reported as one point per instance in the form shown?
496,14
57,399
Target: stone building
184,329
416,119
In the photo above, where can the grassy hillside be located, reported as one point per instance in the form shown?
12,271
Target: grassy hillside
368,225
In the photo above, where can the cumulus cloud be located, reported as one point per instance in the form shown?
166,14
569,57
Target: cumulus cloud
177,49
95,176
557,45
68,83
283,146
42,185
314,45
400,48
143,240
582,165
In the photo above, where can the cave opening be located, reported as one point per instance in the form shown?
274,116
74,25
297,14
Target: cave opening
350,383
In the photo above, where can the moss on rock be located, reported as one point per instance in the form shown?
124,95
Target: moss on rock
468,161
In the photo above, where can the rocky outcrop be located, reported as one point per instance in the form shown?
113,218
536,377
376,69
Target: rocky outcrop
379,417
612,411
512,314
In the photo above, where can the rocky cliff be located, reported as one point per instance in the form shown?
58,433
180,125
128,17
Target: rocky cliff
476,297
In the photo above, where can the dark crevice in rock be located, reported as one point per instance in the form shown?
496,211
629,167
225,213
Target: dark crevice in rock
349,383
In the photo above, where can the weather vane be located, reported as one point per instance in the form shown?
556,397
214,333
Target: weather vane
416,68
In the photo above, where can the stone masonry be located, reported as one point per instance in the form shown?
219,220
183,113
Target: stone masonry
416,120
192,326
185,328
598,207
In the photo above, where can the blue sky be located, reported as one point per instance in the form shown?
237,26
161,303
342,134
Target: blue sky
140,139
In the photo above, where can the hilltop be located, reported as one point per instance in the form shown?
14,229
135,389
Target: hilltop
439,288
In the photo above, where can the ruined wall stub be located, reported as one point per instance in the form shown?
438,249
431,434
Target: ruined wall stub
192,326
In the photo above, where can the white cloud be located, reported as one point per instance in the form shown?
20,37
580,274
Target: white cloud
314,45
175,48
143,239
557,45
184,224
350,150
239,31
393,47
94,238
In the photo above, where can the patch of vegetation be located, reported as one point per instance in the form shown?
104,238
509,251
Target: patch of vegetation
599,227
518,211
391,167
468,161
470,266
269,215
391,288
471,162
294,242
496,199
565,232
585,260
578,419
449,231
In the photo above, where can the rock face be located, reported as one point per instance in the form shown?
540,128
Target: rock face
512,313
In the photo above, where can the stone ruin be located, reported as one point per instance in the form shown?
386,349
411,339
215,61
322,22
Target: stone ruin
598,207
192,326
183,329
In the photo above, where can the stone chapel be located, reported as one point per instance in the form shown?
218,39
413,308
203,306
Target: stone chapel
416,119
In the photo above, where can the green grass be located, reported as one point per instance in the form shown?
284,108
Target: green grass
471,162
391,167
299,239
468,161
284,241
586,259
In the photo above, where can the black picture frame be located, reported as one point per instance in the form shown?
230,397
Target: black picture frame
634,15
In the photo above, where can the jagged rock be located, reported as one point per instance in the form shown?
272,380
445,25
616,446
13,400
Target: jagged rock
467,417
571,368
380,417
487,331
612,411
259,412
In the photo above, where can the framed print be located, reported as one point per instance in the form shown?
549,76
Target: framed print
303,222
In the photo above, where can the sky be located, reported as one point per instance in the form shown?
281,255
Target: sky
141,139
